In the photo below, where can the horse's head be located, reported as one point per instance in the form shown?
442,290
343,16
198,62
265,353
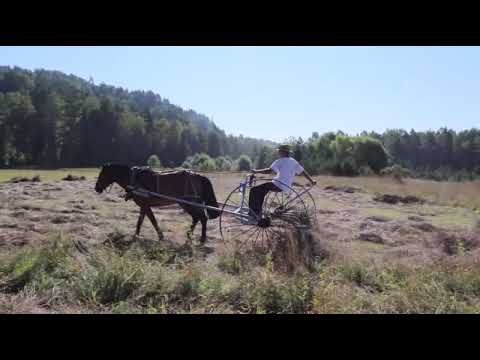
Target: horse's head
104,179
110,174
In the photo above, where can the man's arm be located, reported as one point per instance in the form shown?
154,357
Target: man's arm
305,173
262,171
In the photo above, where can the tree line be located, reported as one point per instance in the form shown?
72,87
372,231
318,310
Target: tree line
439,155
51,119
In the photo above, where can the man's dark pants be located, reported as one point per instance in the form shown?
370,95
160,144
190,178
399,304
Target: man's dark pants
257,195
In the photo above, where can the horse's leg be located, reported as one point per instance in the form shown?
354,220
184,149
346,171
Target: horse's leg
152,219
197,215
195,220
192,212
203,219
140,220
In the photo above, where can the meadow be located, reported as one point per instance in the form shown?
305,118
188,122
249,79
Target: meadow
66,249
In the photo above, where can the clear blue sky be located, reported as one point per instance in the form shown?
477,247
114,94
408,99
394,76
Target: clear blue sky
276,92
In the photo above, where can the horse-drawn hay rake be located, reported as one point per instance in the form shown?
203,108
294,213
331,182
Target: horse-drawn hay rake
239,226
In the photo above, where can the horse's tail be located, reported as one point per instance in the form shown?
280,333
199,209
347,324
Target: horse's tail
209,198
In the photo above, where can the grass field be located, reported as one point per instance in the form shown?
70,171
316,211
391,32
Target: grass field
66,249
466,194
58,174
463,194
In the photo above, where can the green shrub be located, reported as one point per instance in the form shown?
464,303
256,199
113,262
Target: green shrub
366,171
397,172
244,163
223,163
369,152
154,161
202,162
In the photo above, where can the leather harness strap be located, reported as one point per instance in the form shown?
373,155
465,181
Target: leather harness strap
192,186
132,175
188,183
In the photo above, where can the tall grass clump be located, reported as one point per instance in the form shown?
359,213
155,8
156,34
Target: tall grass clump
108,279
362,288
266,292
39,267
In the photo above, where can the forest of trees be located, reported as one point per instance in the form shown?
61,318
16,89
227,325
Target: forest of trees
50,119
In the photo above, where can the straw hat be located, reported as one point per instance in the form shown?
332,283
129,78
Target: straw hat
284,147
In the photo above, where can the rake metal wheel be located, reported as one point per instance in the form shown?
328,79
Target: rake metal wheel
280,212
295,207
235,232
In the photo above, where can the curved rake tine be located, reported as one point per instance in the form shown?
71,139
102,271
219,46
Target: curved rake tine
266,240
234,226
248,230
294,202
263,241
271,237
270,229
243,233
235,247
258,233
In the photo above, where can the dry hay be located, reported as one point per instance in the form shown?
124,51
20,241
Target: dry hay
297,251
378,219
371,237
415,218
70,177
456,244
345,189
425,227
20,179
325,212
395,199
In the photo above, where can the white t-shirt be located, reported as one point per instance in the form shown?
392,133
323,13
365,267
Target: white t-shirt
286,168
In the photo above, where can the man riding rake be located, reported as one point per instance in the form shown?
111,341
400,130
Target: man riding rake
285,168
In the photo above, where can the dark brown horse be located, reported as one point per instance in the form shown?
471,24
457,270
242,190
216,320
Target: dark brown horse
179,184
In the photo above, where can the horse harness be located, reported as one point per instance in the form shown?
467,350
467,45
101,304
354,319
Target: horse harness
189,185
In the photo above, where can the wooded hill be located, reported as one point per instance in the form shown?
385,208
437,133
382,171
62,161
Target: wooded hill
48,118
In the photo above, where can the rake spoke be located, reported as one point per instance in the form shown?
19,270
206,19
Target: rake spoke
244,233
256,238
263,241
